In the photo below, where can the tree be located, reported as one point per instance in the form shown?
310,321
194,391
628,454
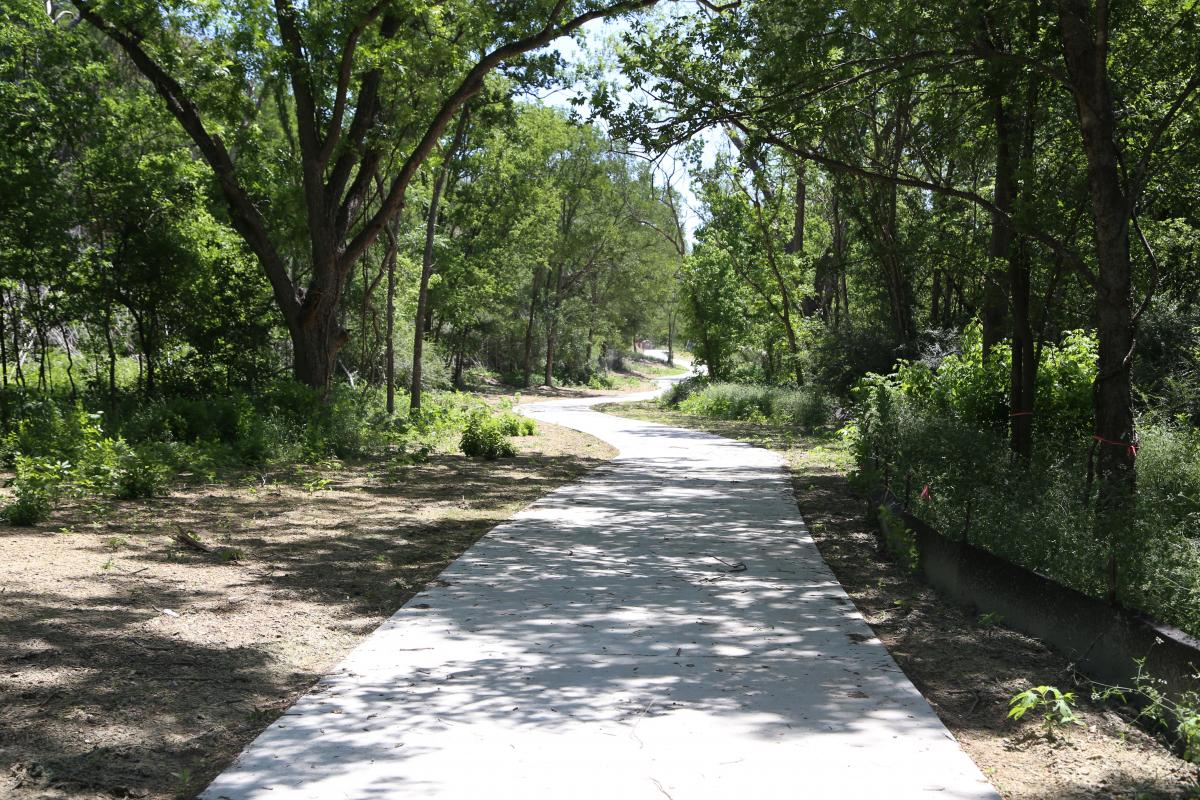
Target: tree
354,71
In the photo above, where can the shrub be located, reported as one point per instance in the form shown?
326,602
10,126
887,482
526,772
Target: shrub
920,427
728,401
142,473
516,425
484,437
680,390
38,484
600,380
806,409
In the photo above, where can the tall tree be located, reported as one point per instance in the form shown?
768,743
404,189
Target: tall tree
353,71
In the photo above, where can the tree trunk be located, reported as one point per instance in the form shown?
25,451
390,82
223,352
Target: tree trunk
439,187
1025,350
4,346
1023,364
552,326
533,298
995,300
315,346
112,353
62,328
18,371
796,245
390,324
1084,38
548,377
671,338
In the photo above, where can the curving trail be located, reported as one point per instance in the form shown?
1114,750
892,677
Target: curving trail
608,643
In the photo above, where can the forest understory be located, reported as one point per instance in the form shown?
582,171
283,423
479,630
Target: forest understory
967,666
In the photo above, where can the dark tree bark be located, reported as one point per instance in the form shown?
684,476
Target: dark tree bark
552,325
533,304
1025,348
1007,131
390,324
1084,32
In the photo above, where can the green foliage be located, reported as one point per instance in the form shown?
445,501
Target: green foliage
804,409
1055,707
900,541
679,391
61,450
143,472
38,484
1180,715
975,390
485,437
516,425
946,432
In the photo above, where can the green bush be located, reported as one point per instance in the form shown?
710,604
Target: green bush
729,401
516,425
38,485
975,389
806,409
921,428
484,437
142,473
59,449
679,391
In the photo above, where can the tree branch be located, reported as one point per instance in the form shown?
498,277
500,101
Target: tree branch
1055,245
246,218
470,86
334,131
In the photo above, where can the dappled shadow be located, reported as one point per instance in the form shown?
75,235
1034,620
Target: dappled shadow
667,617
141,667
363,538
82,663
969,666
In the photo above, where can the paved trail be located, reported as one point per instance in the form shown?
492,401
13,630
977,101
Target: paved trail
607,643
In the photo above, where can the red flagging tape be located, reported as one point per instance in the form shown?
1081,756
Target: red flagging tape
1132,447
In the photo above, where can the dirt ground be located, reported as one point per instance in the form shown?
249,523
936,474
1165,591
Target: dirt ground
132,665
965,665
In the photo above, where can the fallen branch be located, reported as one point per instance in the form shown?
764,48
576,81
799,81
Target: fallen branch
193,541
190,539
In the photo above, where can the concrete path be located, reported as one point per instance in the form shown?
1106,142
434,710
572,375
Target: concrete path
663,628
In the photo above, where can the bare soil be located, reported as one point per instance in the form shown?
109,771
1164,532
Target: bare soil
133,665
965,664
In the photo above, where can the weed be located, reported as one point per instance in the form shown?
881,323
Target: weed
900,541
1180,714
183,781
316,484
1055,707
